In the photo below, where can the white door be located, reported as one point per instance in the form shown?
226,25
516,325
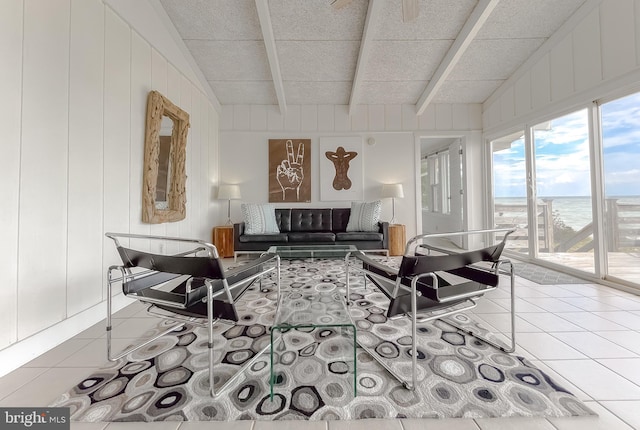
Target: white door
442,185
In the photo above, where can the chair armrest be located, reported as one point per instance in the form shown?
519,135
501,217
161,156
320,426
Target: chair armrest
440,238
239,277
136,284
374,263
194,251
249,267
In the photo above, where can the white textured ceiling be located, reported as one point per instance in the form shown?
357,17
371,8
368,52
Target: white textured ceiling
317,48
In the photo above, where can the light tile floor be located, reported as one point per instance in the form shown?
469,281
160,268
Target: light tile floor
585,336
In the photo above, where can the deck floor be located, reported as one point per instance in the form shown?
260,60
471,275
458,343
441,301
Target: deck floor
621,265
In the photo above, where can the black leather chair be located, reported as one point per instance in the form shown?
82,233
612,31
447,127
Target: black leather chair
188,288
438,276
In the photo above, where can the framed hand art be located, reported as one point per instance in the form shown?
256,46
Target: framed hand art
289,170
341,172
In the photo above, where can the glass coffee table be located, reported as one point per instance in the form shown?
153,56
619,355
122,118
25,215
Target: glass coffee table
323,310
324,251
312,251
310,309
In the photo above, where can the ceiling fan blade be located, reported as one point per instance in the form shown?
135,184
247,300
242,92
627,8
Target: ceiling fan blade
339,4
409,10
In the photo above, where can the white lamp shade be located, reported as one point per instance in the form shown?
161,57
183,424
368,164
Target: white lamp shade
392,190
229,192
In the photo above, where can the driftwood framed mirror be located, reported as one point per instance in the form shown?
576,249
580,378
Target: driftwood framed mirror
165,146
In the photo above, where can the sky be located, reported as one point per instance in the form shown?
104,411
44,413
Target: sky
562,155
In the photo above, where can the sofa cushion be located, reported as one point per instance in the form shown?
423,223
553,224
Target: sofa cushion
357,236
283,218
311,237
248,238
311,220
259,218
364,216
340,219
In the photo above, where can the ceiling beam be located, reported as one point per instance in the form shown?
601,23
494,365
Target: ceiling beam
409,10
373,12
272,54
339,4
465,37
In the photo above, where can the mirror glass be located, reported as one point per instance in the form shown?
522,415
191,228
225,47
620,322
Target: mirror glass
164,164
164,178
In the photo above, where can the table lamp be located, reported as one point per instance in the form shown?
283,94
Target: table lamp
229,192
394,191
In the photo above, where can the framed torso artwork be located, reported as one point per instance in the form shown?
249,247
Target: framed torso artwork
341,171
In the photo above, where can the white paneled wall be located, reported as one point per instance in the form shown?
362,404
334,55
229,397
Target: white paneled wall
619,36
117,124
10,118
593,55
43,229
85,183
438,117
245,131
140,87
74,80
244,161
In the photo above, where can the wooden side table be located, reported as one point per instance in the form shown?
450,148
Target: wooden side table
397,239
223,240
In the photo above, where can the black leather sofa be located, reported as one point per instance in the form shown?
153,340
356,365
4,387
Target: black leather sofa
306,226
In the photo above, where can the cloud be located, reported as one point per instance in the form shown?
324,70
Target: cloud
612,140
626,177
621,173
562,159
569,129
623,113
621,145
509,173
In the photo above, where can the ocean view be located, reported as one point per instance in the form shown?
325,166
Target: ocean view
575,212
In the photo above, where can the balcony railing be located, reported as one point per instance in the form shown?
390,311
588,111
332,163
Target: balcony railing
622,228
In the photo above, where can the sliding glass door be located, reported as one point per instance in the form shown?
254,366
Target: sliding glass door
620,122
563,191
571,188
510,189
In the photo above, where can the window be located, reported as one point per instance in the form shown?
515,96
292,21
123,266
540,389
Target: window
436,184
563,189
621,152
510,189
577,176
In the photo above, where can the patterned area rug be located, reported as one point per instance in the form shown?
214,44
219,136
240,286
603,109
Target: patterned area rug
459,376
543,276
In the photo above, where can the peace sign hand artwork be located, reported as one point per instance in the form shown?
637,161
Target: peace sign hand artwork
290,172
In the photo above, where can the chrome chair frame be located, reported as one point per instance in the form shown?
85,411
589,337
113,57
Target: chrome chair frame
405,274
217,286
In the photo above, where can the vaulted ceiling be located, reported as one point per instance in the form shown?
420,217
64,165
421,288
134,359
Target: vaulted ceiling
312,52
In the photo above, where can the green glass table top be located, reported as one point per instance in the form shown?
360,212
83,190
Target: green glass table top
312,309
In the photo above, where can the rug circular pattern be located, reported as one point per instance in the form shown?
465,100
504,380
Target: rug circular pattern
458,376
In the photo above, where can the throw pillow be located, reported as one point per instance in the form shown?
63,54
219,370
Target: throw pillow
364,216
259,218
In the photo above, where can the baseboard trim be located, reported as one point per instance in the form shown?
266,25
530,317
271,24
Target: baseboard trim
20,353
